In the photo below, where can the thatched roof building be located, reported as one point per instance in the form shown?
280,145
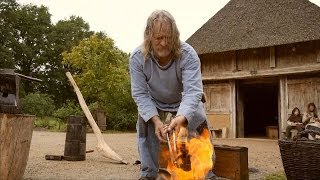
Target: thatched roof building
259,60
244,24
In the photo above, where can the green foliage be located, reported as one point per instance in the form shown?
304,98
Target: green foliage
34,46
63,36
32,26
50,123
38,104
101,72
7,14
68,109
276,176
31,44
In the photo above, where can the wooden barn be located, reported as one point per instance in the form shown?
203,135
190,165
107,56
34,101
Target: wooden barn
260,59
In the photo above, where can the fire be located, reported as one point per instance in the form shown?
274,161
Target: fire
193,159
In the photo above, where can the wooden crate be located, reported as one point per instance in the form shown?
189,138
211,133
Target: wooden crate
231,162
272,132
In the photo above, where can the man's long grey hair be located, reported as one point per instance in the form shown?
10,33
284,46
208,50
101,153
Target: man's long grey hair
148,33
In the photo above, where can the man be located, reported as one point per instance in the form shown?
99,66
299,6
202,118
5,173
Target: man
165,77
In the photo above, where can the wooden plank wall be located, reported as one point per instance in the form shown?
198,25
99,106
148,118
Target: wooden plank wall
293,92
278,57
215,63
297,54
253,59
219,106
303,91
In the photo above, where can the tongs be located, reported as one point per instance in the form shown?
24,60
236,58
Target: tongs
173,152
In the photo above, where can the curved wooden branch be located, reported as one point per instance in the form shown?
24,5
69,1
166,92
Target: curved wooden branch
102,146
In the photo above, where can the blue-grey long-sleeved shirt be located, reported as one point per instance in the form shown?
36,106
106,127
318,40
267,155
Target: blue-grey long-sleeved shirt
154,86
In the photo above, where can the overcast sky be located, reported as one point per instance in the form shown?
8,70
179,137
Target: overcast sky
124,20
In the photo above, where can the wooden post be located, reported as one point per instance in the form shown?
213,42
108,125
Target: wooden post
272,57
318,55
233,129
283,103
240,110
234,61
15,139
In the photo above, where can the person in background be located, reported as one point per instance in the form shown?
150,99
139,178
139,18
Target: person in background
311,119
294,122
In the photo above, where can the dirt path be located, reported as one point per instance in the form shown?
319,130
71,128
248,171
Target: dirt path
263,156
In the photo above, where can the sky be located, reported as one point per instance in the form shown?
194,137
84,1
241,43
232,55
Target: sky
124,20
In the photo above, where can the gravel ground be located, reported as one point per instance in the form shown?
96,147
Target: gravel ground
264,157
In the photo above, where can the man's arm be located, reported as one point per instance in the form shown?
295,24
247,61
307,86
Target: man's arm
139,90
192,86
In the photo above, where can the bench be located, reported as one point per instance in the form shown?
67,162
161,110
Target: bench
219,132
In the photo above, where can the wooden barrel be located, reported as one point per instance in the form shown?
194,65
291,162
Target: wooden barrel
75,145
15,138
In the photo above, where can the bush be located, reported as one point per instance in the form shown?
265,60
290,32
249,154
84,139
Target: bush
68,109
38,104
122,121
50,123
65,111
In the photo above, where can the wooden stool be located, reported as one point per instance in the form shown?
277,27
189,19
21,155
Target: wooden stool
219,132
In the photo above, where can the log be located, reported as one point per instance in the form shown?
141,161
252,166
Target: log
102,146
15,139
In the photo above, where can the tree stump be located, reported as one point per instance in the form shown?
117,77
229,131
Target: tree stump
15,138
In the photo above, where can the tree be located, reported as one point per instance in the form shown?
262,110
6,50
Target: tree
63,35
31,28
7,14
101,72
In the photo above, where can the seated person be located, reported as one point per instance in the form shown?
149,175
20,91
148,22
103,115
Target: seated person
310,119
294,122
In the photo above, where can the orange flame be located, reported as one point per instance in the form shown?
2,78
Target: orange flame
200,151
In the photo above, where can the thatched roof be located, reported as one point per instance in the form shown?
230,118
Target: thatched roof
244,24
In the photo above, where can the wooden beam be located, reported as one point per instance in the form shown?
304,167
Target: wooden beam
318,56
272,57
283,104
239,114
28,77
263,73
234,61
233,127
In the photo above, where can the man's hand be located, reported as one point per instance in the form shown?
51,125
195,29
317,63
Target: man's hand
177,123
159,128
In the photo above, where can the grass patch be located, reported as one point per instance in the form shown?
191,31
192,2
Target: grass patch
276,176
50,123
58,125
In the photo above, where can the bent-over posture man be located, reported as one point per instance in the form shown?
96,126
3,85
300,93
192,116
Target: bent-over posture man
165,77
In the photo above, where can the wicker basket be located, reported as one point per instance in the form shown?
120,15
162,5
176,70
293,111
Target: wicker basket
301,158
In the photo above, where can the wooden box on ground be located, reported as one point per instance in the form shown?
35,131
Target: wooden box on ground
231,162
272,132
15,139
